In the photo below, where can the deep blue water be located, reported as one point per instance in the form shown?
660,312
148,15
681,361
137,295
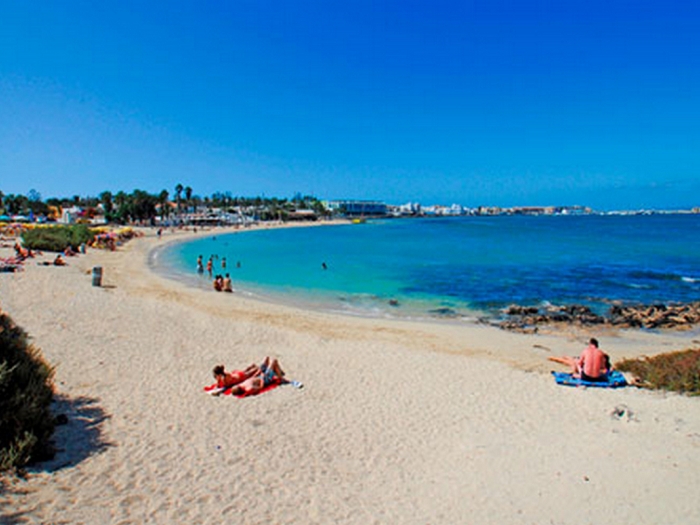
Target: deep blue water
462,264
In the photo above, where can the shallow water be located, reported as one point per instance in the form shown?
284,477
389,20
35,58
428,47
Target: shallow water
457,266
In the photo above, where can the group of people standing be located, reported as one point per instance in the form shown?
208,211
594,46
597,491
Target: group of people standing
222,283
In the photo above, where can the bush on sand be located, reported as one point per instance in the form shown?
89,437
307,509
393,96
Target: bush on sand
26,392
57,238
674,371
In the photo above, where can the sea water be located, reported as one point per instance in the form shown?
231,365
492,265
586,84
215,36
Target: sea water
461,266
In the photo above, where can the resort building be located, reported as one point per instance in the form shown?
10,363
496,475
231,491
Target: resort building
70,215
443,211
408,209
358,208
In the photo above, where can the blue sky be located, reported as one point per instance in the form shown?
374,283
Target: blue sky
474,102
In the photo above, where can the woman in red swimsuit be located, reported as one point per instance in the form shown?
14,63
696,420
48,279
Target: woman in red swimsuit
226,379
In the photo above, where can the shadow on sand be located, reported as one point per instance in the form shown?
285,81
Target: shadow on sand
75,440
80,437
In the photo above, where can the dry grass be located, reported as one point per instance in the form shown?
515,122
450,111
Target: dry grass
674,371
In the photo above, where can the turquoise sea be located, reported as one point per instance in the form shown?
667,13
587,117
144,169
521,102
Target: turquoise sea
460,266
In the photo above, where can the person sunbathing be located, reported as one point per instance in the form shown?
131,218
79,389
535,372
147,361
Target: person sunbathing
22,253
592,365
225,380
270,373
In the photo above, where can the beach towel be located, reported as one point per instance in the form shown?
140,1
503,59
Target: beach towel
213,389
614,379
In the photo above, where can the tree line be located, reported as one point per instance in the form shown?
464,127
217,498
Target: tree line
141,206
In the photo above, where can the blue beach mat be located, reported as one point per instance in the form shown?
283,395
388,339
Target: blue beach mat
614,379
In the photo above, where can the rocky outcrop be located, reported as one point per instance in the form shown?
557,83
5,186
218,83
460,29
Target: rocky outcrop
655,316
661,316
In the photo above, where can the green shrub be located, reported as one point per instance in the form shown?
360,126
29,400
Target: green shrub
57,238
26,392
675,371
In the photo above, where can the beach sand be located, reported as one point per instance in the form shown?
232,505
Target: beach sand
398,422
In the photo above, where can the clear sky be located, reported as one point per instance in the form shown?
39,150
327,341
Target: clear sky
489,102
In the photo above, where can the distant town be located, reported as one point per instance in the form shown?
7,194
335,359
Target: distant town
184,208
379,209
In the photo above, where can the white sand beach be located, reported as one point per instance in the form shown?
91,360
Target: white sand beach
398,422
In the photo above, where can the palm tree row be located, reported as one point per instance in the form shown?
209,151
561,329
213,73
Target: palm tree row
141,206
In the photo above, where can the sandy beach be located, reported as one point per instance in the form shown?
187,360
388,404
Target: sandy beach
397,422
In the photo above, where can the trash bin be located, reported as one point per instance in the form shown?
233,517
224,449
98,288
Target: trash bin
97,276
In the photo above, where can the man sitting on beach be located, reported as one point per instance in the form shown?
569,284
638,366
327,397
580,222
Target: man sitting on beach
592,365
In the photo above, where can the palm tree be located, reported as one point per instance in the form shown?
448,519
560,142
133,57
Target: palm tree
164,207
121,200
16,204
188,195
143,205
178,192
106,200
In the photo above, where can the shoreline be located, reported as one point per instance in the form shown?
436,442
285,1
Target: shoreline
398,422
623,342
525,317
